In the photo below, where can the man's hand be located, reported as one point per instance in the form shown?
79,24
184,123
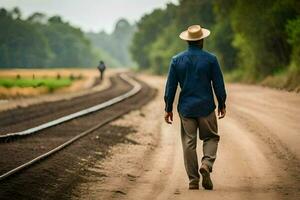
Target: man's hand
169,117
221,113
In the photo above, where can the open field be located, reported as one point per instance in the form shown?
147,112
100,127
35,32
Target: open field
16,83
50,83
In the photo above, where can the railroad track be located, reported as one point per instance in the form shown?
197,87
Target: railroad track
67,122
136,88
17,120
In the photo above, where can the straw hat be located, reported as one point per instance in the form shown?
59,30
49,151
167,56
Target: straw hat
194,33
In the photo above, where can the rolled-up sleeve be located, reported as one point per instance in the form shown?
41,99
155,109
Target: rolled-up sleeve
171,87
218,84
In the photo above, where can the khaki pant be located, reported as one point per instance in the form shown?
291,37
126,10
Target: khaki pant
208,132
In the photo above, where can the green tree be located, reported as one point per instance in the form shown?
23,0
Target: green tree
42,42
21,44
257,39
293,30
259,28
156,39
149,28
115,45
222,35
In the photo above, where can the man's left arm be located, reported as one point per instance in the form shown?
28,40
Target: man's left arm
170,91
219,87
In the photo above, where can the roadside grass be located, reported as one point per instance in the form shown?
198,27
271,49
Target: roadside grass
284,79
50,83
233,76
289,80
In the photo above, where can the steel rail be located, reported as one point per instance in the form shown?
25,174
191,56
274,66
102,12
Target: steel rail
136,88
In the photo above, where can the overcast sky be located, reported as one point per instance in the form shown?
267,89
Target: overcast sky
90,15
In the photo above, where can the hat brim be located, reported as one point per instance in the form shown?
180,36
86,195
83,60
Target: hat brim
185,36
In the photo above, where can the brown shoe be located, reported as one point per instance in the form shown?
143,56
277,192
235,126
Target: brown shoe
193,187
206,181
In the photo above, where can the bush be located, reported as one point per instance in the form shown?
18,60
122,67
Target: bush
293,31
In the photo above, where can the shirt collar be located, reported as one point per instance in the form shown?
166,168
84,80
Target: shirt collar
194,47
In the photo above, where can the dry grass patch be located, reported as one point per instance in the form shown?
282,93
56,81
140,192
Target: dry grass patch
16,83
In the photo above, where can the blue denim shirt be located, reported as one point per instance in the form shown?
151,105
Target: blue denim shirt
198,74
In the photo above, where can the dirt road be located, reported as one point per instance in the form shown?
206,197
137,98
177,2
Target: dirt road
258,155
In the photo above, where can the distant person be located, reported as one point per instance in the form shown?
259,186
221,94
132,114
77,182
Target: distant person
198,74
101,67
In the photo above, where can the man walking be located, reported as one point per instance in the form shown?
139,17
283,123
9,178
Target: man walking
198,74
101,67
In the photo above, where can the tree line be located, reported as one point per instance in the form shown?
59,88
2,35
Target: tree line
252,39
39,41
115,44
